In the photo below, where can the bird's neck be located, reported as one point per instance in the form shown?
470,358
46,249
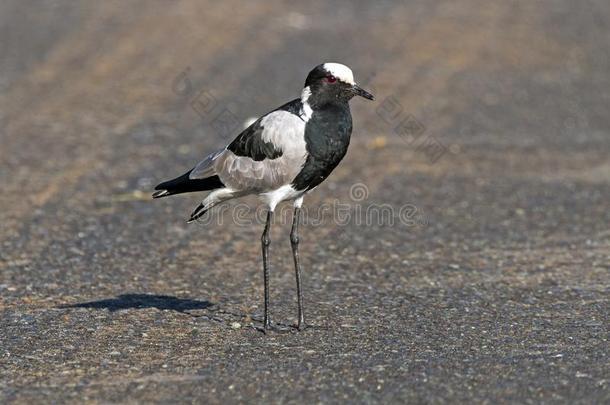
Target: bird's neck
311,103
306,107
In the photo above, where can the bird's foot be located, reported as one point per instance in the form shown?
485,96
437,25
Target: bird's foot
300,325
275,328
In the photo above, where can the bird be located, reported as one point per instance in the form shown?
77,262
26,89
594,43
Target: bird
282,156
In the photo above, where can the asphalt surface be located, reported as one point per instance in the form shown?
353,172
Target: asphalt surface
486,281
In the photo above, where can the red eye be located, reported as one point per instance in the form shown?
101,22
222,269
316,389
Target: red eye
331,79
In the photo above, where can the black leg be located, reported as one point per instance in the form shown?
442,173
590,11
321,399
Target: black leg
265,241
294,242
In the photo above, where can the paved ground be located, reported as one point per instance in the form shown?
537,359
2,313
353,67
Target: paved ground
492,285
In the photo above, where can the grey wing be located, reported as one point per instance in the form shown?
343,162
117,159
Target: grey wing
205,168
266,156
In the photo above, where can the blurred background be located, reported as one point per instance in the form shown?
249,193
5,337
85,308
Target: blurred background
491,119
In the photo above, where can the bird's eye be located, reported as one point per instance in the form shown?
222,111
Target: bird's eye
331,79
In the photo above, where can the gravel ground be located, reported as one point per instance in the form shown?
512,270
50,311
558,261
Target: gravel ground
488,152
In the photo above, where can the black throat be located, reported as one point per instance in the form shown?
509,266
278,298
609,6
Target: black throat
327,136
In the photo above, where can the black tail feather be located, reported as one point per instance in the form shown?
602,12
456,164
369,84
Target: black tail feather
184,184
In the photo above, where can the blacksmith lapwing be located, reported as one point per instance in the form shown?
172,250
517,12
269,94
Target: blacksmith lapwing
282,156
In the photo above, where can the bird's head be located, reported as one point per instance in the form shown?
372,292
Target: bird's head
333,81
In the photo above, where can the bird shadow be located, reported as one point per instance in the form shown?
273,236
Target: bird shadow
141,301
168,302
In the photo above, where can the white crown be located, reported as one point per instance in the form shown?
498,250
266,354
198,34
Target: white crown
340,71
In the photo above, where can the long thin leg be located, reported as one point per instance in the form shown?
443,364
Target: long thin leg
294,242
265,241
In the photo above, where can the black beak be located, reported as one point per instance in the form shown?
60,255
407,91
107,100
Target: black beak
359,91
